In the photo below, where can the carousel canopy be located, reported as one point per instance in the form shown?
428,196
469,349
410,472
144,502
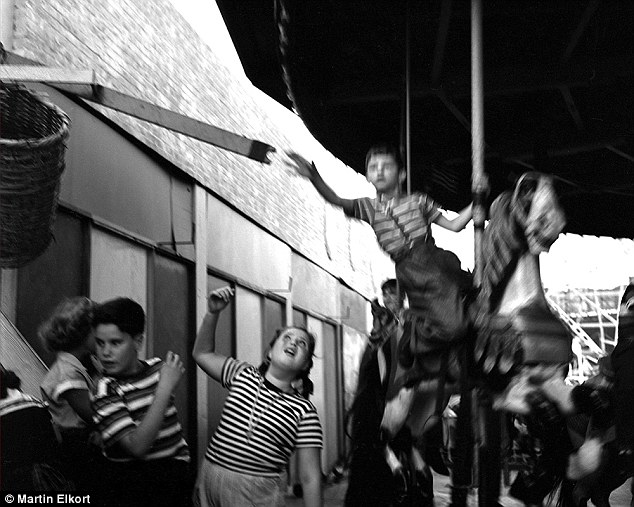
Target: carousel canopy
558,90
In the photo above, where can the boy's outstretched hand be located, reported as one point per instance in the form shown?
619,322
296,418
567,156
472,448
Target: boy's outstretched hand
301,165
219,299
171,372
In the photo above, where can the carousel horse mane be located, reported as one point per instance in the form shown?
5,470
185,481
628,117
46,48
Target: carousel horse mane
527,219
502,243
515,324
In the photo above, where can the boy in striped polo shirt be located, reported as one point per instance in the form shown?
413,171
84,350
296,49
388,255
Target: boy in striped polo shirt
134,411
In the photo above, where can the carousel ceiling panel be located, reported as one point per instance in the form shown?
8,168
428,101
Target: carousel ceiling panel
558,90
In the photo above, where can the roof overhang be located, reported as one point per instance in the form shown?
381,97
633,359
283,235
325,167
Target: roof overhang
558,90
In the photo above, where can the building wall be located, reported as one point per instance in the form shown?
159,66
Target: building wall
265,229
146,49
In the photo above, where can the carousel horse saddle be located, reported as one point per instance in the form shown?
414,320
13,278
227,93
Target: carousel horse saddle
532,335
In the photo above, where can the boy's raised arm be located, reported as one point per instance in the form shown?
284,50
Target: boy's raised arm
458,223
465,215
308,170
204,348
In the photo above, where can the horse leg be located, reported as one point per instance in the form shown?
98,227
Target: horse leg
398,473
462,451
394,415
422,476
391,459
489,454
396,411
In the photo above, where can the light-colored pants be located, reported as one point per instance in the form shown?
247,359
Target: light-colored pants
218,487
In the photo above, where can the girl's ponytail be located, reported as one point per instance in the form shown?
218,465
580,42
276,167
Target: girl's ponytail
306,388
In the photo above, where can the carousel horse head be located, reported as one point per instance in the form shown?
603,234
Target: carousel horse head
537,211
520,342
524,221
383,323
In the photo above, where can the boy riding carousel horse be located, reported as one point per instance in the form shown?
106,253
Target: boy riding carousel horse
430,276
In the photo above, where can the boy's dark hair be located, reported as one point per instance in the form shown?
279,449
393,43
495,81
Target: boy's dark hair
385,149
125,313
389,285
8,380
69,325
307,384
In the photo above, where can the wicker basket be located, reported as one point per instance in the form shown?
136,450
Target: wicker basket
32,149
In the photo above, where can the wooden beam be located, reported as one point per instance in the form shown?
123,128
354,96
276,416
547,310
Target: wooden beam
441,42
464,121
564,151
39,74
82,84
170,120
501,81
522,163
620,153
516,157
581,27
571,106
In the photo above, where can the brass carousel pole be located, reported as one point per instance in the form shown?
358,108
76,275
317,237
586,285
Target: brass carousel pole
477,148
477,137
487,423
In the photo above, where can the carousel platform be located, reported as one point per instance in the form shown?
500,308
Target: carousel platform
335,493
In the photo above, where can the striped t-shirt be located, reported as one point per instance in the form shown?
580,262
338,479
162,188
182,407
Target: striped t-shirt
398,222
17,400
260,425
121,404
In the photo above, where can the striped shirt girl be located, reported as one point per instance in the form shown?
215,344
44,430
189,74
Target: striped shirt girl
260,425
121,404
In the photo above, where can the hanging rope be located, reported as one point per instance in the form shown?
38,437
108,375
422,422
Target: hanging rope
282,22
